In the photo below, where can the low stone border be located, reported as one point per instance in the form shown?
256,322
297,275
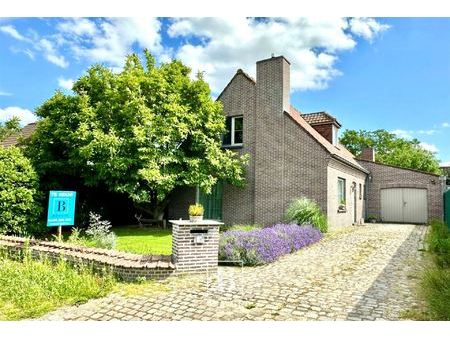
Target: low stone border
127,266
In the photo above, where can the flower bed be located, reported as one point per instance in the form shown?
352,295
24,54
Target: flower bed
261,246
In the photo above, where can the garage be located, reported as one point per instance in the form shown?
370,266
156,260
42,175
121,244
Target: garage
404,205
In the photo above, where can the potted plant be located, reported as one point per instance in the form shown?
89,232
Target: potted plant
196,212
342,207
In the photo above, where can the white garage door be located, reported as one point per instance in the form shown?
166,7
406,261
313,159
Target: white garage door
404,205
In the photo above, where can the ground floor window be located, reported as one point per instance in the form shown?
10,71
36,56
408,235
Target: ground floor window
341,191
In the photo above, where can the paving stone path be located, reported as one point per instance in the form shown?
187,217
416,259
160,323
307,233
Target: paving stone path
359,273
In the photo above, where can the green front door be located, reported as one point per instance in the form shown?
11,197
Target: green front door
212,203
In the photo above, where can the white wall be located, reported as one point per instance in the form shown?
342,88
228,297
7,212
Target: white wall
335,218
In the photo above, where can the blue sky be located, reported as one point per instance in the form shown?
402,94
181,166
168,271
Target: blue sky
370,73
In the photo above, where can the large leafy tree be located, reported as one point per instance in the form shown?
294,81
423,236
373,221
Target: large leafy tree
142,131
9,127
391,149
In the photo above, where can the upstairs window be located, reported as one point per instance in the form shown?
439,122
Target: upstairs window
235,128
360,191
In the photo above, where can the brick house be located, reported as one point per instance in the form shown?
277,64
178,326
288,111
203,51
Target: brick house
294,154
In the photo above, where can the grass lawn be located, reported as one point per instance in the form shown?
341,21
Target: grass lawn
144,240
32,288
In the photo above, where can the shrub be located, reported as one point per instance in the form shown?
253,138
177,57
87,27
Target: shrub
265,245
99,232
305,211
19,208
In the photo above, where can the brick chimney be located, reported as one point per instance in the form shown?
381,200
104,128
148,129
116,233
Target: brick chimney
368,154
272,100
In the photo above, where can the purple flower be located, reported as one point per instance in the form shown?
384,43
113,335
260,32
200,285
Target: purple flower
265,245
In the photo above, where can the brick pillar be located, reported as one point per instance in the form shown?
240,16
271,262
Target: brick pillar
195,245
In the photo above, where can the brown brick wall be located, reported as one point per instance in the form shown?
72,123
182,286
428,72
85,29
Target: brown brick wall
239,99
305,168
391,177
189,256
326,130
272,92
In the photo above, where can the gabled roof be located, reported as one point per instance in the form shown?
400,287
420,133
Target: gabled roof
239,71
339,152
320,118
24,133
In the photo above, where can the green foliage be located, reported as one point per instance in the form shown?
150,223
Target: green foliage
19,206
9,127
99,232
305,211
435,283
438,240
436,290
391,149
242,227
196,210
142,131
31,288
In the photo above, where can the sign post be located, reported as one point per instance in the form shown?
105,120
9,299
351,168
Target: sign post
61,209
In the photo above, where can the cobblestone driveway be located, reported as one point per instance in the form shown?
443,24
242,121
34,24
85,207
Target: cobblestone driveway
367,272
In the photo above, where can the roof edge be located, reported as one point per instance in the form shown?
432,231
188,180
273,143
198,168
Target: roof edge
238,72
397,167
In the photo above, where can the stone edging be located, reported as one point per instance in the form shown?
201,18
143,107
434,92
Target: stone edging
127,266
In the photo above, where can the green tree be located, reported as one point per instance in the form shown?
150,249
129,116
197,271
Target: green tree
391,149
9,127
142,131
19,206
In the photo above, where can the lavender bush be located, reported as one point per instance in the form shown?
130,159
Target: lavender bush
261,246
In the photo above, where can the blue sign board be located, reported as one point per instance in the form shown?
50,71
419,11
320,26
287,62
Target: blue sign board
61,208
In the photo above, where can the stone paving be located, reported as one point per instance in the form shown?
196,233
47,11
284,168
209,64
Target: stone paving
359,273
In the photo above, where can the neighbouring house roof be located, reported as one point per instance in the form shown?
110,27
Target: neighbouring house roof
24,133
398,167
339,152
320,118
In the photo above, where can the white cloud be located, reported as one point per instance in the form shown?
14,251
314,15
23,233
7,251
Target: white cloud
445,164
65,83
368,28
5,93
429,147
110,40
11,31
445,125
25,115
222,45
42,45
427,131
50,53
407,134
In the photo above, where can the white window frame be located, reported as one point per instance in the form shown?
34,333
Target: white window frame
233,118
334,130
